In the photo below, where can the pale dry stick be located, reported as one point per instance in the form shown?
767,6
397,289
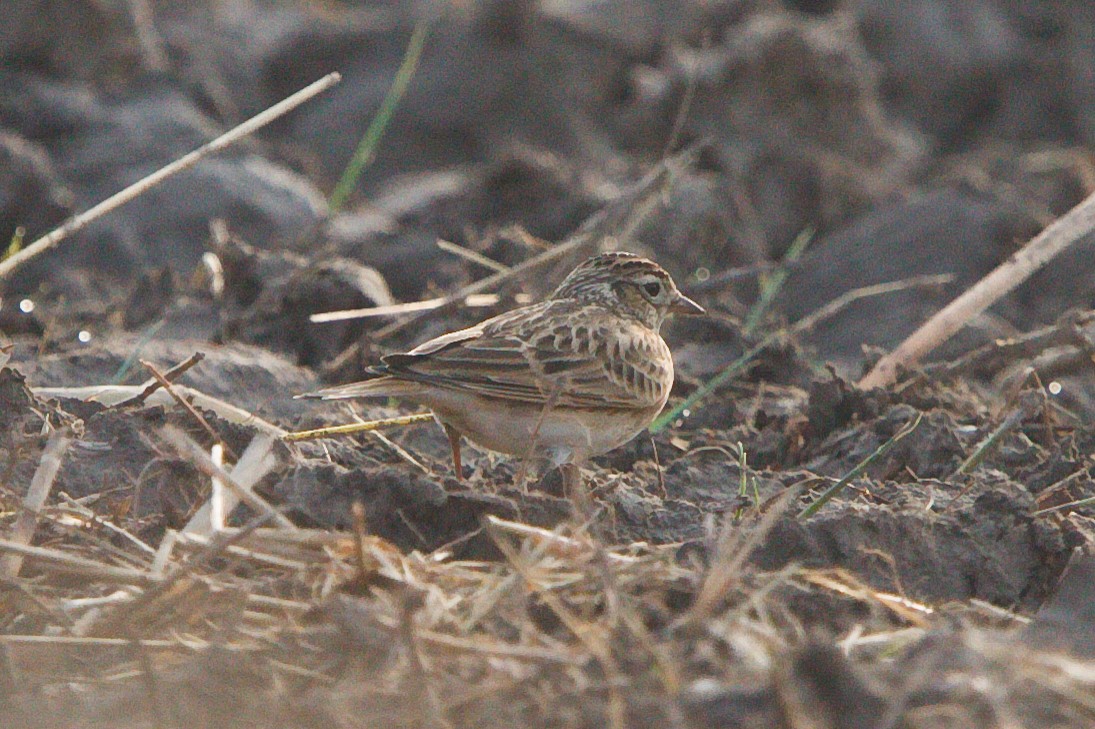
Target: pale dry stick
40,486
1057,237
474,301
218,517
113,394
197,456
80,221
257,461
164,552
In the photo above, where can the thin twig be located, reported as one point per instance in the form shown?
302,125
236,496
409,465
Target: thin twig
1089,501
841,302
171,375
798,328
187,406
474,301
80,221
352,428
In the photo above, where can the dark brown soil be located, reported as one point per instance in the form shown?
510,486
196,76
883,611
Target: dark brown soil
932,591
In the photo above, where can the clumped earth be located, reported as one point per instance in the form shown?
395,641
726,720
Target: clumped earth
951,583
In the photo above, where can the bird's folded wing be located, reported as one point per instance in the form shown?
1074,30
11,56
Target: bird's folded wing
546,369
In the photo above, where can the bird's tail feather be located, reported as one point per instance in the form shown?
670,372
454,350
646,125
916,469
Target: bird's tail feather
377,387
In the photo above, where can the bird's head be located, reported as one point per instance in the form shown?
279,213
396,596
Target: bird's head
628,284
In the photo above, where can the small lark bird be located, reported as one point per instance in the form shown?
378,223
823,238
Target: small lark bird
560,381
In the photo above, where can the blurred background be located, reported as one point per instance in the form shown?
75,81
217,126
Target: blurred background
902,137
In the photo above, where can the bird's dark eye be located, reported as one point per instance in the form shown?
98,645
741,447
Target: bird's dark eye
653,288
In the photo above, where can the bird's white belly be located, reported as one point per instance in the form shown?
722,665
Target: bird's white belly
558,435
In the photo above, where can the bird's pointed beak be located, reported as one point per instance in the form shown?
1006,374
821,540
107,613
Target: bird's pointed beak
686,307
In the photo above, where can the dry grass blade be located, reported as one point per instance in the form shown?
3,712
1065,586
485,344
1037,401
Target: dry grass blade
473,256
729,557
40,486
71,564
79,222
162,586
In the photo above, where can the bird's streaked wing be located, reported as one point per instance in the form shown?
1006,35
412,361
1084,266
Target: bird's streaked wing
539,355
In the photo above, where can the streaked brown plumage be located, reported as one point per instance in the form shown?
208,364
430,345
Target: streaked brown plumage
563,380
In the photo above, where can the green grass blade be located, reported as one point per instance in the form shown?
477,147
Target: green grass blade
366,148
856,472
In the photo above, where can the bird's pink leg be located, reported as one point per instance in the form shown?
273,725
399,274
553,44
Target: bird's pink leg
454,443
